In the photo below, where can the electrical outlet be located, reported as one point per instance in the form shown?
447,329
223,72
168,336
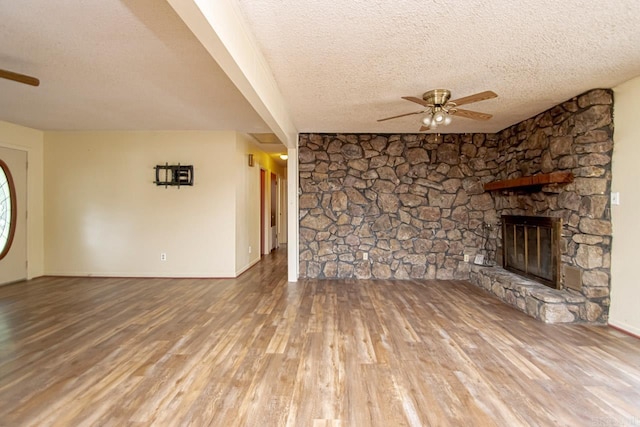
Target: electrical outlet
163,256
466,257
365,256
249,249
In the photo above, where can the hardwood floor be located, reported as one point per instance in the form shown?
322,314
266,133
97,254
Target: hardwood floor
258,351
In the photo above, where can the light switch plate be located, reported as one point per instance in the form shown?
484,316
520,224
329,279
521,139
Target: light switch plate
615,198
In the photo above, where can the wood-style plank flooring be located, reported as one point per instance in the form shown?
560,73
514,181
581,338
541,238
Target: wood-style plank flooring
258,351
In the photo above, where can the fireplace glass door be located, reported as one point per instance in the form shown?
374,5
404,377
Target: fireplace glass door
531,247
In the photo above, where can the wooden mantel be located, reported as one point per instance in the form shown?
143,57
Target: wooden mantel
529,181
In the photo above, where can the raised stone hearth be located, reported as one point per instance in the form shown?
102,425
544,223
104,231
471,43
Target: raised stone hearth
535,299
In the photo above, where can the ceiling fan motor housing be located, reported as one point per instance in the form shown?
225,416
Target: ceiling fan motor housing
437,96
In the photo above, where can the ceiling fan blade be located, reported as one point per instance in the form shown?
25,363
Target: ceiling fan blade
482,96
424,128
21,78
471,114
401,115
417,100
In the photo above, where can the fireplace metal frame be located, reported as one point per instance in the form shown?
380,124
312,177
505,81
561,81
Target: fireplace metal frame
536,222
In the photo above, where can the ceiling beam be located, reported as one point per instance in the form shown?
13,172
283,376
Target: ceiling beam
221,29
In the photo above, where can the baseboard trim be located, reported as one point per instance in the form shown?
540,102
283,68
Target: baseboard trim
625,329
251,264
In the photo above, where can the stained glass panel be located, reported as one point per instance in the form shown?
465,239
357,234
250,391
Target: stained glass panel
5,210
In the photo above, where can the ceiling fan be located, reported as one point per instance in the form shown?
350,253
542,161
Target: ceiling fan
439,108
20,78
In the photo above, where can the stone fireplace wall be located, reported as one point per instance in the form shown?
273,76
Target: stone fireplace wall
576,136
415,205
412,203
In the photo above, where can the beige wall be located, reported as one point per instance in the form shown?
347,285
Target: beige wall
625,286
247,207
30,140
248,201
104,215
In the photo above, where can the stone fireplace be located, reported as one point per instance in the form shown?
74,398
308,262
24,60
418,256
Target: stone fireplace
576,138
416,207
531,247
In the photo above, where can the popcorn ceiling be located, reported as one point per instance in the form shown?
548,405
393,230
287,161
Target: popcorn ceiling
342,65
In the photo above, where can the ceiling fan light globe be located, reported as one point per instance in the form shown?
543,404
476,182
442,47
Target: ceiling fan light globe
447,120
427,121
439,117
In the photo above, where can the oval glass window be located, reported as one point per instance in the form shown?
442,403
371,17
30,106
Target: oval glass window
7,209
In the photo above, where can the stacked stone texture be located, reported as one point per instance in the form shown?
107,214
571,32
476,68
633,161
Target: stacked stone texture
575,136
415,203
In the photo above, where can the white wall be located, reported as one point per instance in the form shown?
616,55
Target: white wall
625,284
104,215
30,140
293,224
282,222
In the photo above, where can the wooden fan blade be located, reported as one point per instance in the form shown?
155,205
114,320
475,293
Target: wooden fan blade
401,115
471,114
482,96
21,78
416,100
424,128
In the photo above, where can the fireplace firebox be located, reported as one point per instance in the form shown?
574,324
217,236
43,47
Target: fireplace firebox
531,247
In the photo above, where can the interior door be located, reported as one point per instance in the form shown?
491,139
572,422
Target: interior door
263,179
274,211
13,267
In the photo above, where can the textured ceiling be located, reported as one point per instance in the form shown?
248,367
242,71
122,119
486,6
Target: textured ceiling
113,64
133,64
342,65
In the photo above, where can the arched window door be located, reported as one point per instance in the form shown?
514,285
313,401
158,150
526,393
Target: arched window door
7,209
